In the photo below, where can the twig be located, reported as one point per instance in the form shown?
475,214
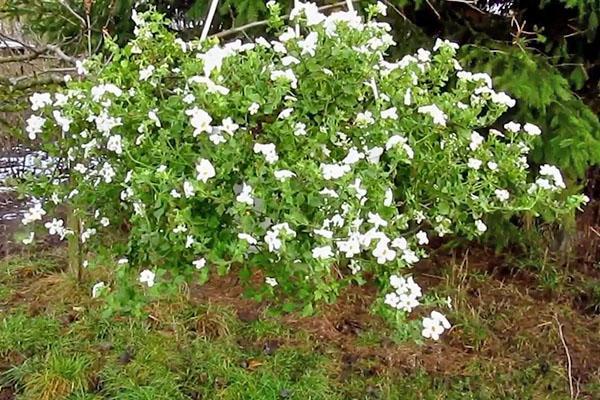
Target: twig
79,17
569,362
264,22
56,50
349,5
468,3
393,7
434,10
209,18
595,231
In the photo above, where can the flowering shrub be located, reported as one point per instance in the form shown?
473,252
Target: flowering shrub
310,161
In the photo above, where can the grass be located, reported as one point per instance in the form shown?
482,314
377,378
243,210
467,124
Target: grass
504,345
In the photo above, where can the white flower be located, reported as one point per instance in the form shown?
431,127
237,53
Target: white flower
272,240
115,144
229,126
189,98
360,191
253,108
285,113
175,194
444,43
147,277
289,60
217,138
476,140
188,189
200,120
326,233
532,129
205,170
434,325
423,55
434,112
271,281
88,233
481,227
374,154
299,129
383,253
388,198
400,243
34,126
492,165
105,123
334,171
310,11
502,194
474,163
104,222
322,253
80,67
55,227
353,156
287,75
376,220
329,192
268,150
309,44
248,238
512,127
211,87
199,263
99,91
283,174
503,98
40,100
189,241
409,256
381,8
34,213
555,180
407,97
29,239
147,72
245,195
364,119
107,172
390,113
181,228
422,238
97,289
394,140
154,118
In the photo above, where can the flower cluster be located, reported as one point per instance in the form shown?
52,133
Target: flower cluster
309,159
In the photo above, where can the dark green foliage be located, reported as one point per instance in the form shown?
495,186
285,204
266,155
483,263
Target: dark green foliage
571,131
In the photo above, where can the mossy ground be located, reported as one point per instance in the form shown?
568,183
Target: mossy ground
208,343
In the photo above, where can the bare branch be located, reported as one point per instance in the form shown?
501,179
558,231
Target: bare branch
471,4
434,10
56,50
393,7
79,17
264,22
38,78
